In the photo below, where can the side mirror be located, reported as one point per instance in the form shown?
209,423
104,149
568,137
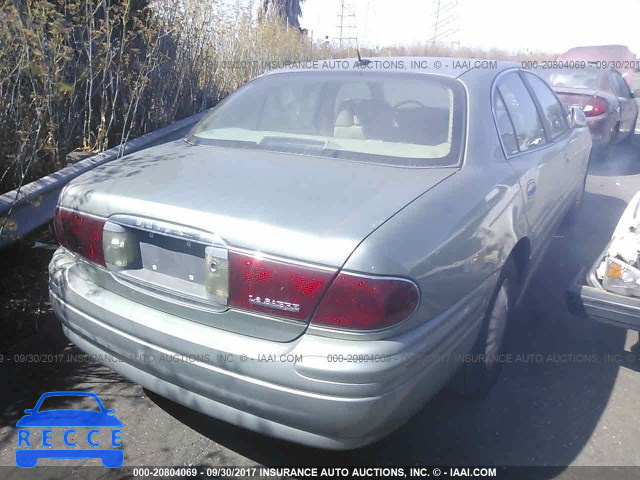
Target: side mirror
29,411
577,118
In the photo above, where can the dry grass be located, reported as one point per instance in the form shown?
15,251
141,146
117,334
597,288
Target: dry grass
428,50
88,74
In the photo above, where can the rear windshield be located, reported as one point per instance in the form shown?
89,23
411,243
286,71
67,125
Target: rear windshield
402,119
585,78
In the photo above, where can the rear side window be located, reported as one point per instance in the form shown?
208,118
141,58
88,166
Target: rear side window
522,111
505,127
555,115
619,85
615,88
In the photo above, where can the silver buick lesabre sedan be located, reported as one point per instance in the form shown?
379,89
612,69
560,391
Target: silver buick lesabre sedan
328,248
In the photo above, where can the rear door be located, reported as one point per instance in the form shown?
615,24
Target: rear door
628,111
568,143
537,163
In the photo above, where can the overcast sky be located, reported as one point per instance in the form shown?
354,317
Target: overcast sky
535,25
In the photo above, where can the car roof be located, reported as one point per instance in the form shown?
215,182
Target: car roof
598,52
452,67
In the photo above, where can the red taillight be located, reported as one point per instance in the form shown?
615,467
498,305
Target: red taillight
80,233
595,106
276,288
352,302
366,303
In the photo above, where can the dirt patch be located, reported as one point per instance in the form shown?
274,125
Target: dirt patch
24,297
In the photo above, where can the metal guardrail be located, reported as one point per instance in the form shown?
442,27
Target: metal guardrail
32,206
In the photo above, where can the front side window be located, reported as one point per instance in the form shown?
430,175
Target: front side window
382,117
522,111
555,115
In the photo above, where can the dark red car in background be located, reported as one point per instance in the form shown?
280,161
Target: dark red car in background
618,57
604,97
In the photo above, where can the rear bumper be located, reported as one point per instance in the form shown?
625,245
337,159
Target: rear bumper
319,391
586,297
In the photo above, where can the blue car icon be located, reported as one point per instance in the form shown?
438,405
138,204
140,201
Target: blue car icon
34,420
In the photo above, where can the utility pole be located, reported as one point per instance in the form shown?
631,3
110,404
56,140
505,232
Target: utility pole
446,25
347,27
435,29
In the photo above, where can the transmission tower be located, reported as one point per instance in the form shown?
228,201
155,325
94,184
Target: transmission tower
347,36
446,24
370,18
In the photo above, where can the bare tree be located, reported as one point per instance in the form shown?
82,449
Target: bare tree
288,10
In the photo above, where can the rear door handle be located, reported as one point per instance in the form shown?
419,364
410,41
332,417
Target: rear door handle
531,188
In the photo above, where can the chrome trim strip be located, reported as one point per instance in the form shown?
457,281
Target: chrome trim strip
163,294
167,229
212,241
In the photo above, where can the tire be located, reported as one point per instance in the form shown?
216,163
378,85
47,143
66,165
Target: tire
475,378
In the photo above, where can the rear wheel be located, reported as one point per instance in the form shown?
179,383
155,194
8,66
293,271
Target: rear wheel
476,376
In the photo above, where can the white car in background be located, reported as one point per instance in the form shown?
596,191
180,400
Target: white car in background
610,291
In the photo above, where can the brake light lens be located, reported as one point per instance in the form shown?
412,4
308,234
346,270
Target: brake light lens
276,288
350,302
357,302
80,233
595,106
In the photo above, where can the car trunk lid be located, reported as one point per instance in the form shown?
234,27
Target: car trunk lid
186,206
307,208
